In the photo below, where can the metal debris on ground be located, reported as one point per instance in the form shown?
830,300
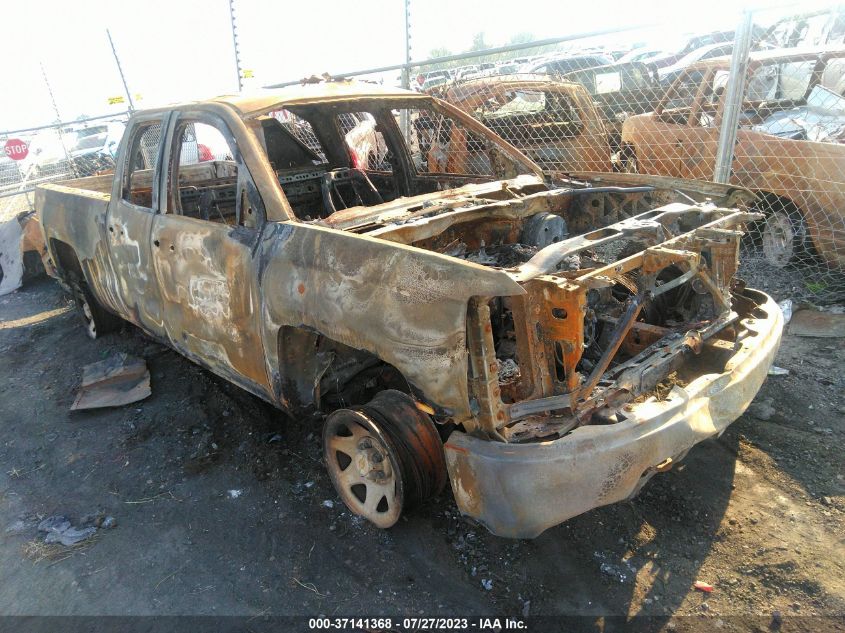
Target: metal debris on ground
114,382
816,324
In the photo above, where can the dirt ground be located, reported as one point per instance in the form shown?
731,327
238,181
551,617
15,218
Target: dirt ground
222,506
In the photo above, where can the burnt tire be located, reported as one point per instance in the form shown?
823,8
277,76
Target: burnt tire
384,457
785,238
96,319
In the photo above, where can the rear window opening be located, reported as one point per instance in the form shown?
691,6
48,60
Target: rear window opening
331,157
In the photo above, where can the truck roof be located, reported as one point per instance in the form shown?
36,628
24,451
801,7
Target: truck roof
252,104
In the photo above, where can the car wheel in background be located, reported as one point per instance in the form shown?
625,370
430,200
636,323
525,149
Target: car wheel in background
785,237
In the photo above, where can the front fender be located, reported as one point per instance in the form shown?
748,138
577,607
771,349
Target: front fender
403,304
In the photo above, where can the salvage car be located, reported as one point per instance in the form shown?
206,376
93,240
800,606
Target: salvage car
619,91
563,63
545,343
553,122
797,169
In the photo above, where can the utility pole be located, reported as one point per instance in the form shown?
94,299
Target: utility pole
120,70
734,93
235,44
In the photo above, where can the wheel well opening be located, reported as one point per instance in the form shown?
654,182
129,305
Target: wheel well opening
768,202
65,260
317,372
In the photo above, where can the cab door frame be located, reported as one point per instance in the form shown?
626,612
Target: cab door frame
208,272
128,226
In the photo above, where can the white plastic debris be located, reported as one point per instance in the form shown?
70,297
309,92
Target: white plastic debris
234,493
774,370
328,503
487,584
786,308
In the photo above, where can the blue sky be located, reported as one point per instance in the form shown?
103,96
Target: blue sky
173,50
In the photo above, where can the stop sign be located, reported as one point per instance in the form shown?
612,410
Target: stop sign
16,149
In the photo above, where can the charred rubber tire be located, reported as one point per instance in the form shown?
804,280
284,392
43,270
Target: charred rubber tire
785,237
95,318
383,457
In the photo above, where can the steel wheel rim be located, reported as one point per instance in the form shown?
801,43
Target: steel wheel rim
370,487
778,239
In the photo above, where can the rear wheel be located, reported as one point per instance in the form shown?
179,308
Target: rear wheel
785,239
383,457
95,318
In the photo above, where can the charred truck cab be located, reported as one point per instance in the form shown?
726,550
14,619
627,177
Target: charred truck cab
545,342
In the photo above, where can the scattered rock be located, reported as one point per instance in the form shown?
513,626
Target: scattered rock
703,586
761,410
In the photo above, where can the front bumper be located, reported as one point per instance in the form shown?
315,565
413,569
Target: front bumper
520,490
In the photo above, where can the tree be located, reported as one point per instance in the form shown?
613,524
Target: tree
440,51
478,43
522,38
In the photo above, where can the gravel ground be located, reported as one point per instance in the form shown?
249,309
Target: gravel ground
222,506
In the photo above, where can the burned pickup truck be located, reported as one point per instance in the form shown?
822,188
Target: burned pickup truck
546,345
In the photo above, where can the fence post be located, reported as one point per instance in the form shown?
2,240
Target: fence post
58,129
235,45
120,71
734,93
406,72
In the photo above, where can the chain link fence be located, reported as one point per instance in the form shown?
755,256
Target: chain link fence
598,103
582,108
34,156
52,153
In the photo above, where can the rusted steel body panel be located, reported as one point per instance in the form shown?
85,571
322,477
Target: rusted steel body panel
406,305
521,490
807,173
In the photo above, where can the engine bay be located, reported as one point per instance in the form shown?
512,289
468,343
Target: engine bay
645,295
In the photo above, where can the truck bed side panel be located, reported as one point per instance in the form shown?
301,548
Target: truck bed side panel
77,217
